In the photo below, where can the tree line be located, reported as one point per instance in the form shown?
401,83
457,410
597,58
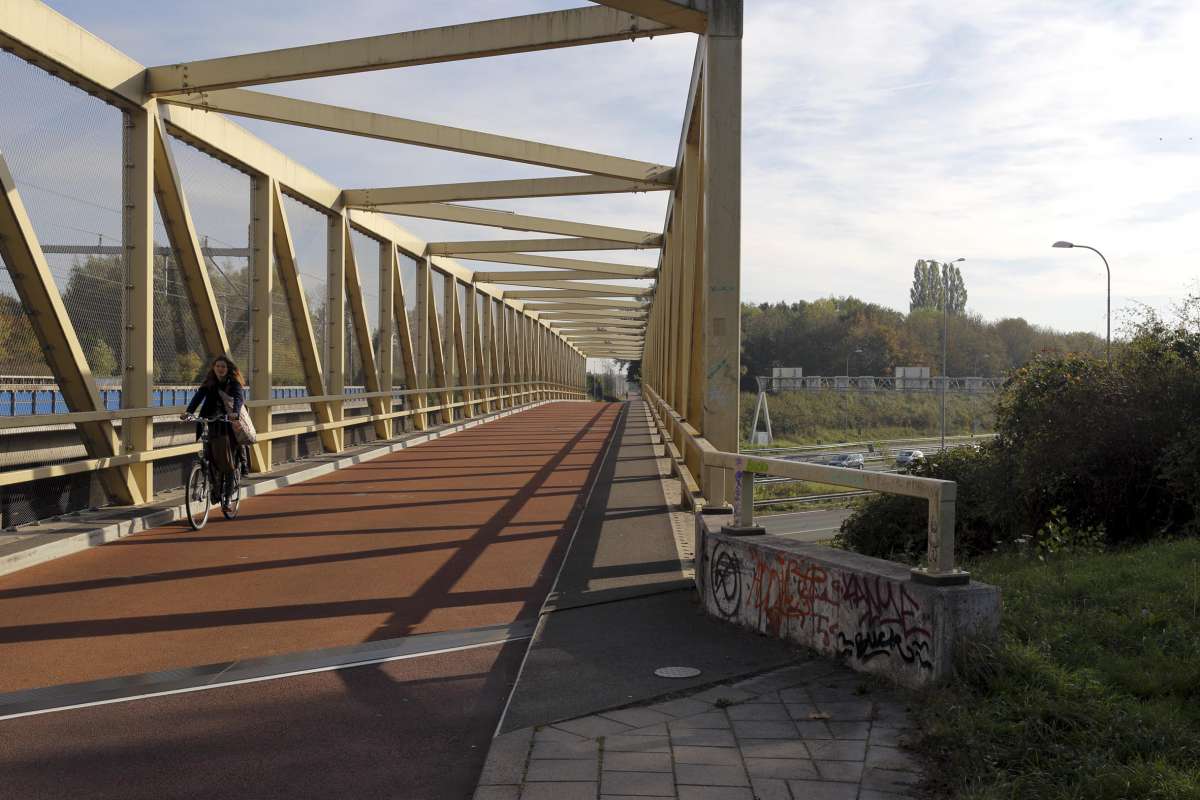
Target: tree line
820,335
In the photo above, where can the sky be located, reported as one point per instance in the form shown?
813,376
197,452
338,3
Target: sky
875,134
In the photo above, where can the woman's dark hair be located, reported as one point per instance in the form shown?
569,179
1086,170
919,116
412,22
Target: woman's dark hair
233,373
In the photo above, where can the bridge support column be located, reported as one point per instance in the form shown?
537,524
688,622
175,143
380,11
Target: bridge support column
137,377
262,271
721,115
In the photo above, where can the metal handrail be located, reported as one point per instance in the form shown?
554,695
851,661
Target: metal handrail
941,495
32,420
27,474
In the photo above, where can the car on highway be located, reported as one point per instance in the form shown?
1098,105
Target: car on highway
846,460
908,458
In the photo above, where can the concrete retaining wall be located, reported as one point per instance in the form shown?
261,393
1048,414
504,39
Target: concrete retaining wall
865,611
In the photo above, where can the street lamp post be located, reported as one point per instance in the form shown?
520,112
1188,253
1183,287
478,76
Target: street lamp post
945,337
1108,301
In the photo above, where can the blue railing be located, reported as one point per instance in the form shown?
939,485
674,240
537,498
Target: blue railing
18,400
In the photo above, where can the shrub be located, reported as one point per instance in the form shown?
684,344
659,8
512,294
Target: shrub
1085,452
893,527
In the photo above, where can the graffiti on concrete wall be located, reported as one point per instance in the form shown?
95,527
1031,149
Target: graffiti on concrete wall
725,580
855,615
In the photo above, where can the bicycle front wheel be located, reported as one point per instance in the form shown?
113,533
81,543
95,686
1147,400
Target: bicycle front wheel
197,497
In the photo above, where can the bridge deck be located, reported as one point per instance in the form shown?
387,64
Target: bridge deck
461,532
410,553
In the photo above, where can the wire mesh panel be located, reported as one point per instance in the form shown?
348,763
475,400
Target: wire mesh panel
366,256
64,148
465,329
287,368
355,377
501,346
20,354
179,353
218,197
408,279
310,240
481,368
438,290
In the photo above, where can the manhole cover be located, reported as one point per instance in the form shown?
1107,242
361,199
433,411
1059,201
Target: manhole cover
676,672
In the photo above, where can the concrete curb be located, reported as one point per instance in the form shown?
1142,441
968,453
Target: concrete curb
27,553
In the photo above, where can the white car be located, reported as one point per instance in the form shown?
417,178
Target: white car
906,458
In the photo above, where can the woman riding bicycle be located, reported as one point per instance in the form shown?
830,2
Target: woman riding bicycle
223,378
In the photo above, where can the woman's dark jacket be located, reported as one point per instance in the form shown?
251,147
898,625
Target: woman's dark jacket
208,398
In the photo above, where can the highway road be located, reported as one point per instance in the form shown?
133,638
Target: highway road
817,525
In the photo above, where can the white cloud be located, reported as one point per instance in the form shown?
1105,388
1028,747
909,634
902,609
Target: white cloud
876,133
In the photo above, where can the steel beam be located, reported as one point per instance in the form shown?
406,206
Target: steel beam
687,15
273,108
623,270
591,314
552,292
522,277
568,28
518,222
39,294
335,318
501,190
518,245
262,271
584,303
137,367
722,187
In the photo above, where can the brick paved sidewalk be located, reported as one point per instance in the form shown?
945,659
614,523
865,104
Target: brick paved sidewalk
806,732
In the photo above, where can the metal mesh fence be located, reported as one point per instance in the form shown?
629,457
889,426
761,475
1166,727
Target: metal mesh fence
20,354
287,368
438,290
178,348
465,330
310,240
64,148
408,280
366,256
219,199
482,367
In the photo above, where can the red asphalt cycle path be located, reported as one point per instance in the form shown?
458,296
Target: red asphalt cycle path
461,532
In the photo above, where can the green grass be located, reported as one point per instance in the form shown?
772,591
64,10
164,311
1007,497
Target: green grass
1092,691
799,488
812,417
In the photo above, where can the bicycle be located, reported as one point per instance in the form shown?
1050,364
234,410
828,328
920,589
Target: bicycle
202,484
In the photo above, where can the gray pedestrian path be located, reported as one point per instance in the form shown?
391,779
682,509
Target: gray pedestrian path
810,731
625,604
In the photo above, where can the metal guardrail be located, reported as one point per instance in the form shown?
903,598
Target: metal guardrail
808,498
869,383
715,464
22,396
913,443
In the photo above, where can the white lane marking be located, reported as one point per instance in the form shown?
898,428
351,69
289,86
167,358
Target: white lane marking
260,678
